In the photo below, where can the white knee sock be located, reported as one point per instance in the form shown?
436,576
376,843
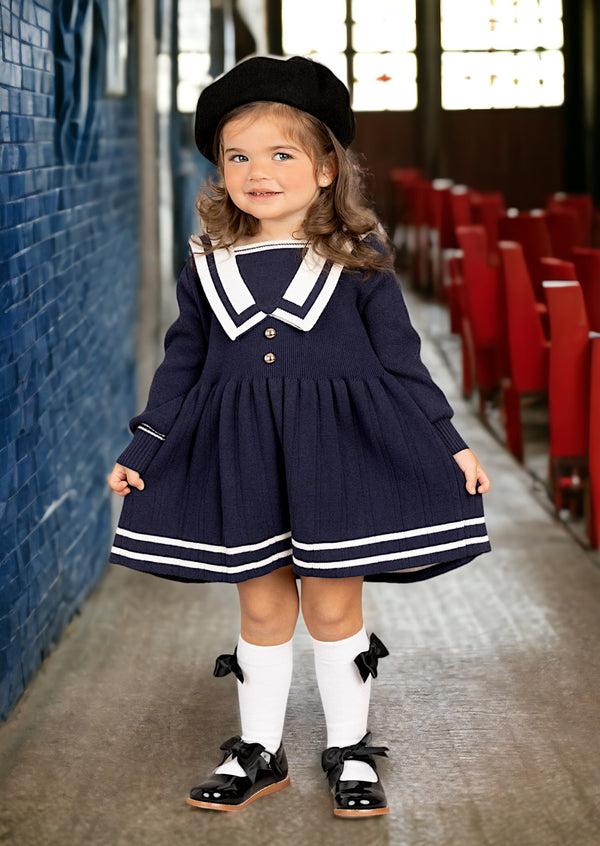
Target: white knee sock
345,697
262,696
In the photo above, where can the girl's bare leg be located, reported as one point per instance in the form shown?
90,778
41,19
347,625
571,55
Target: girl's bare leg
269,611
332,610
269,607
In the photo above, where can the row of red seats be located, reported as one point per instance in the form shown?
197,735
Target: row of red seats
523,290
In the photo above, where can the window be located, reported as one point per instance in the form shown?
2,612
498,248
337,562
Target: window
193,59
508,56
495,53
369,44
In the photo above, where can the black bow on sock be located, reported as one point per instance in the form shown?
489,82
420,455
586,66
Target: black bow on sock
226,664
367,661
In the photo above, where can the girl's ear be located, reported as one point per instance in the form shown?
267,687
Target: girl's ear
328,172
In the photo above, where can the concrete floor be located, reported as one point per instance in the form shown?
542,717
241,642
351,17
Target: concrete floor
489,701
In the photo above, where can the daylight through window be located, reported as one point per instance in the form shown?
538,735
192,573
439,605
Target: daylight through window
509,55
193,58
369,44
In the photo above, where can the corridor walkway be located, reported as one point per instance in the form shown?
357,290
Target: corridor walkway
488,702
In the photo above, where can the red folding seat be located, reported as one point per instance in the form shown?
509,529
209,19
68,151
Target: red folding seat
417,193
459,323
451,207
556,268
568,389
594,446
486,208
530,229
482,311
595,236
527,344
441,234
460,206
399,178
587,268
453,291
583,206
441,212
564,230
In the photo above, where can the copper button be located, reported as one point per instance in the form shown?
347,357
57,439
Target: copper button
270,332
269,358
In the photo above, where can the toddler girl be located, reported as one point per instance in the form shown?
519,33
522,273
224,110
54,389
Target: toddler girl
292,435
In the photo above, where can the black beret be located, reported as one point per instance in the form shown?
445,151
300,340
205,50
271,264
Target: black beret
298,82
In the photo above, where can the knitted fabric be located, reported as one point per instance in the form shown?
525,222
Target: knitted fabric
292,421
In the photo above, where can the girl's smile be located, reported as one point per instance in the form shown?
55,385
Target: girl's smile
265,193
269,176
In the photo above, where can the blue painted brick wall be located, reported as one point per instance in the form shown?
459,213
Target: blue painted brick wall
68,274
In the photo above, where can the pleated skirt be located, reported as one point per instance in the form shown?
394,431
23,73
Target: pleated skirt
334,477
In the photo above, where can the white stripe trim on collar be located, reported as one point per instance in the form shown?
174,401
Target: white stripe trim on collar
240,297
260,246
234,286
306,323
216,303
299,289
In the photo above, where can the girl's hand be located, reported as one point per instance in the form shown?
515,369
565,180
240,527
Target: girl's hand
474,472
122,479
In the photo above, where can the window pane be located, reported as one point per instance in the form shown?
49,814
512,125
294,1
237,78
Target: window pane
526,66
502,80
384,76
193,76
313,25
380,25
501,24
385,81
193,30
456,35
552,78
193,38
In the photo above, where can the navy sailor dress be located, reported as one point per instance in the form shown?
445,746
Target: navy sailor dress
292,422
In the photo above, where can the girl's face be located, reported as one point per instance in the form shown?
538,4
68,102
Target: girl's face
269,176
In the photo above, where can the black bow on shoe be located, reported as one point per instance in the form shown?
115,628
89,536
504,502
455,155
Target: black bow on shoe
332,759
249,755
367,661
226,664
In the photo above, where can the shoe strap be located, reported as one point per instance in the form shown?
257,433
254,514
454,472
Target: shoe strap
252,757
333,759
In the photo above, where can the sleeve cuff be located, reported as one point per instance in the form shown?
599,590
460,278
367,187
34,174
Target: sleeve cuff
449,435
142,449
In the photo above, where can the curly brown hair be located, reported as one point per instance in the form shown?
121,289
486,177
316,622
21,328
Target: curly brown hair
339,225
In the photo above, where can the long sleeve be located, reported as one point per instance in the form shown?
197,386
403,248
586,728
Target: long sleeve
398,347
185,350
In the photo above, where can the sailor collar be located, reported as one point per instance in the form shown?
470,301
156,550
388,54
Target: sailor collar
301,304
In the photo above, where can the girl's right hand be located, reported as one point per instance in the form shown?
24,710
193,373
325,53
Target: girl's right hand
122,479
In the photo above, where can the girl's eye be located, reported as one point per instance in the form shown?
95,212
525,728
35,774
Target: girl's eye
282,157
239,157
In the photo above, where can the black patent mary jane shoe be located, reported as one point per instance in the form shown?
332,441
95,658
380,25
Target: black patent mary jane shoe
357,799
265,773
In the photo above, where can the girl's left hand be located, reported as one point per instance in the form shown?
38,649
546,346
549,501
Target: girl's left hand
474,472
